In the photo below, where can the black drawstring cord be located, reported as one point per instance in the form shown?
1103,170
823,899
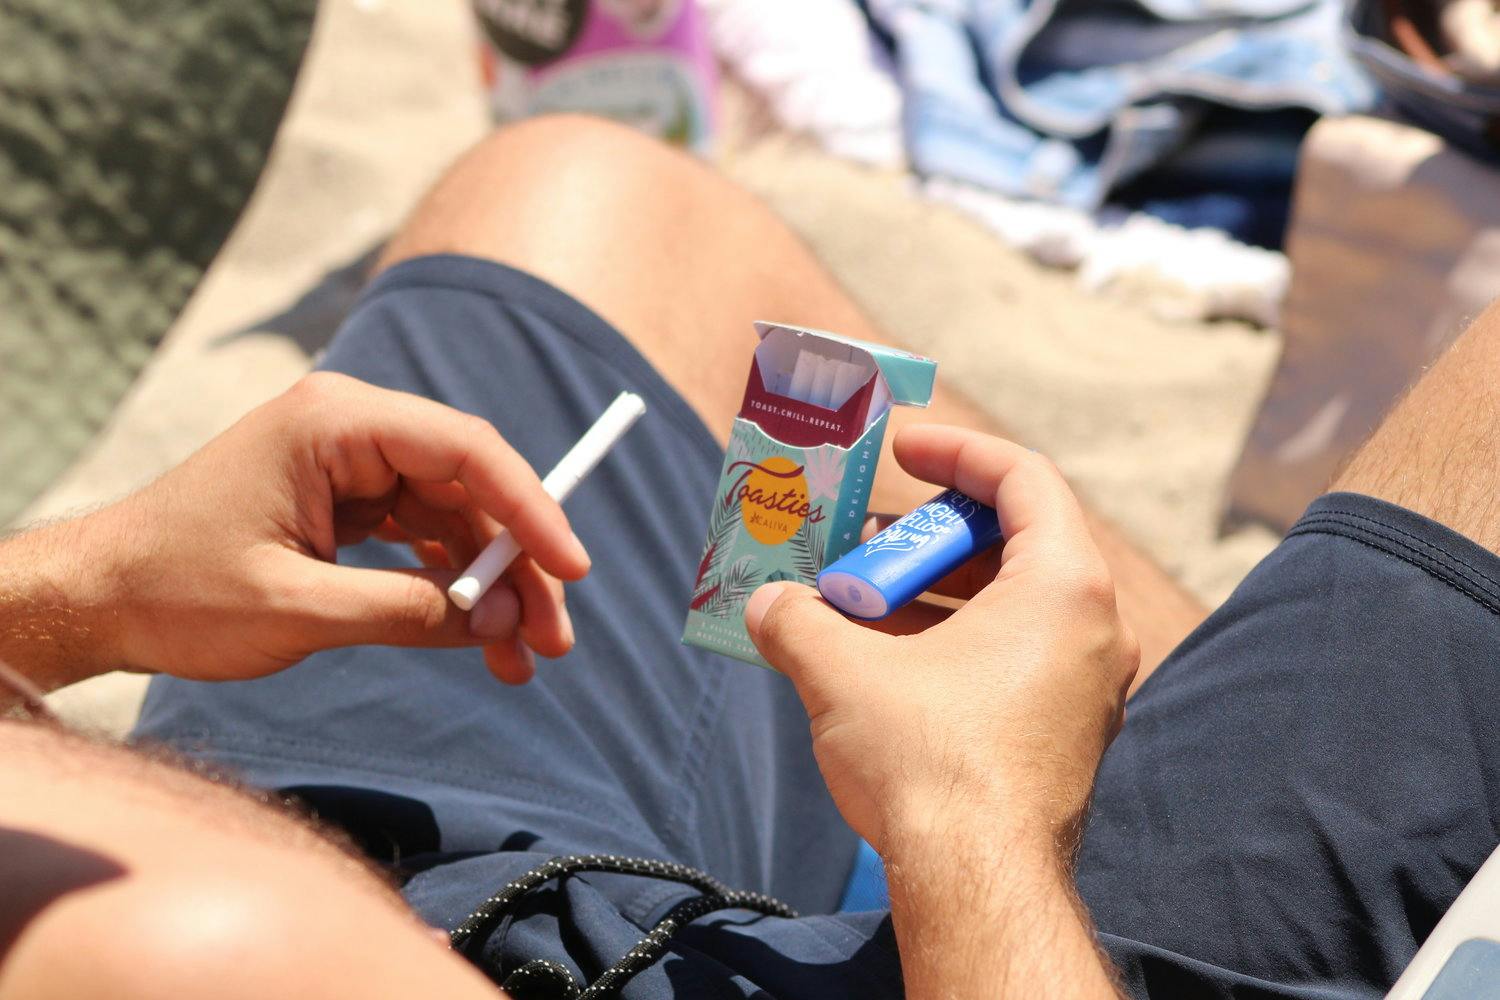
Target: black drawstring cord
650,948
540,978
575,864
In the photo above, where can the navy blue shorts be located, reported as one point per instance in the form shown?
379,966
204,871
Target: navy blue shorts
1299,792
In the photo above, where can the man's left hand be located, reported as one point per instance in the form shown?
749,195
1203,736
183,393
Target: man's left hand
225,568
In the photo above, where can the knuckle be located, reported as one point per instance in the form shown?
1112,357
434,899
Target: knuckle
1129,654
1092,588
787,622
479,431
1035,461
1099,589
318,387
505,508
418,608
480,440
1130,646
289,606
266,585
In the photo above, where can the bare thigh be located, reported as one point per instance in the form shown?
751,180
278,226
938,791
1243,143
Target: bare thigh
1436,452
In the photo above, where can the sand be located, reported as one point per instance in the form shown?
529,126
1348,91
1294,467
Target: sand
1145,416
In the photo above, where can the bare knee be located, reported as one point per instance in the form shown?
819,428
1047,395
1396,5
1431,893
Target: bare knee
585,156
557,139
542,190
675,257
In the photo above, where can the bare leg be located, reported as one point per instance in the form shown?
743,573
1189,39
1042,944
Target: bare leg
682,261
175,886
1438,451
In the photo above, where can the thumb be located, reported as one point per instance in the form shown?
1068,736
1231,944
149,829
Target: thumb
802,636
347,606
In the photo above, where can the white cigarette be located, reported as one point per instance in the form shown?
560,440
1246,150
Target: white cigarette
566,474
803,374
847,379
822,387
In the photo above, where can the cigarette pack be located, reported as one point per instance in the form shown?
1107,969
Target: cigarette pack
796,481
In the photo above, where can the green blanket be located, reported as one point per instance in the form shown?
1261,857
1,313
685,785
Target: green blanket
131,135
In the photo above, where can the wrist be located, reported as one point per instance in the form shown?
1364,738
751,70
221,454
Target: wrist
961,824
966,831
1022,930
60,607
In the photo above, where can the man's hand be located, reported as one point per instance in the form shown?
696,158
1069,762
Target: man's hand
225,568
964,748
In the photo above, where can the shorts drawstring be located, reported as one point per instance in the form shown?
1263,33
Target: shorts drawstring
540,979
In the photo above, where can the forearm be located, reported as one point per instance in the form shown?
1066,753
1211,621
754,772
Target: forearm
986,914
57,619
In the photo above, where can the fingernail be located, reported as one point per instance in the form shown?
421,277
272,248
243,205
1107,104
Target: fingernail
760,602
496,614
567,624
582,550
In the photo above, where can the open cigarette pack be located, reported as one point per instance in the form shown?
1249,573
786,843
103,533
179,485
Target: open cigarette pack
797,474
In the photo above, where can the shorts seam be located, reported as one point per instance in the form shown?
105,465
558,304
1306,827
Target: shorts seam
694,761
1447,561
1437,551
1479,599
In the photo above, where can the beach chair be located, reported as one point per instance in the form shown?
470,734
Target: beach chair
1460,960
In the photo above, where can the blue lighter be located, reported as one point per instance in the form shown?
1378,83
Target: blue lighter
909,556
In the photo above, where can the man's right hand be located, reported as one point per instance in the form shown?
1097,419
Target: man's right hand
1005,705
964,747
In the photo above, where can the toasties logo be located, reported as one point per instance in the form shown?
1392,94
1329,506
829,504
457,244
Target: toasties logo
773,498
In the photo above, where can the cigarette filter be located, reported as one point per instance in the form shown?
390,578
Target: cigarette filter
909,556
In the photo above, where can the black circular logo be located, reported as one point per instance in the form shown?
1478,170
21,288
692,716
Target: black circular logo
532,31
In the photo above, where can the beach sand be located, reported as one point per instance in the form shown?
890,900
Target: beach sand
1145,416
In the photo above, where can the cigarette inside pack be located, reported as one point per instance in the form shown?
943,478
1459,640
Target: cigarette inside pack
796,480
